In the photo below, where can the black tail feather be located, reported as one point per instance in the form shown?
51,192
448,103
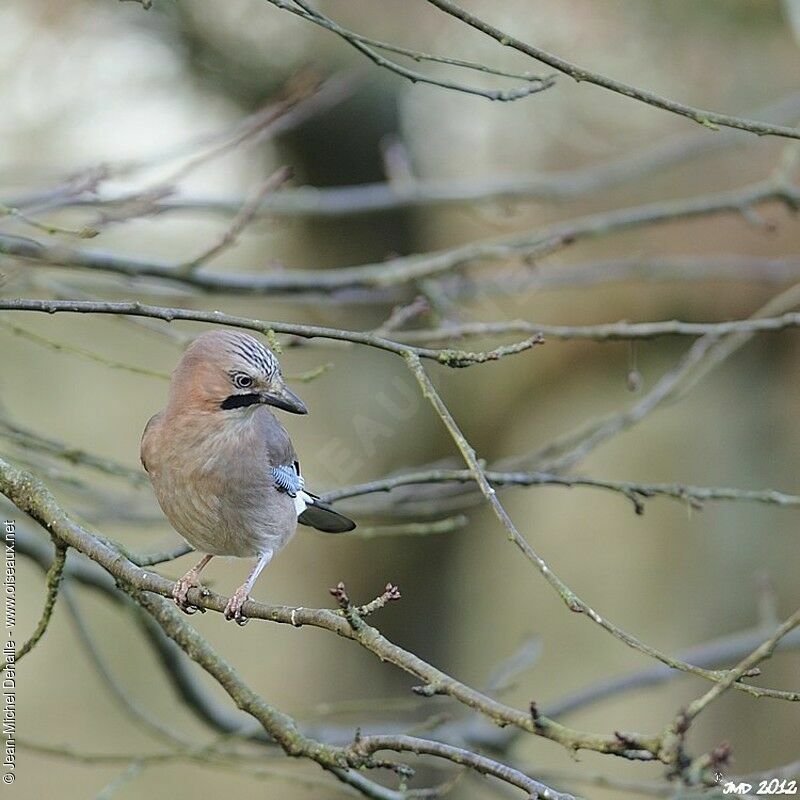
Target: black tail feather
322,517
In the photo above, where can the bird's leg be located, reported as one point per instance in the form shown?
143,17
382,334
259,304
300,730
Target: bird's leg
234,608
190,580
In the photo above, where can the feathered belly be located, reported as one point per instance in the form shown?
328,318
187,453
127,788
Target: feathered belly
229,519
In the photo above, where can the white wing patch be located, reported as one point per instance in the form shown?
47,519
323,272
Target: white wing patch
302,502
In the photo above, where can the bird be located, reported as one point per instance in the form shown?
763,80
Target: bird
223,467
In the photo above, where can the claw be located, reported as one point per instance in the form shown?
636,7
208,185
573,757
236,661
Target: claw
180,592
233,610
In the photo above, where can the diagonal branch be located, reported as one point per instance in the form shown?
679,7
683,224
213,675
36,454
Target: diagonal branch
761,653
475,731
705,354
281,728
367,198
570,598
369,47
242,219
710,119
31,497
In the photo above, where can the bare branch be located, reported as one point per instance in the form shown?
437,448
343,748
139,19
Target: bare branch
612,331
761,653
405,269
31,440
560,186
702,356
449,357
241,220
52,584
370,47
634,491
31,497
709,119
368,745
569,597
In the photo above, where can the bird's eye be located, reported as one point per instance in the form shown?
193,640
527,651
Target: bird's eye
242,381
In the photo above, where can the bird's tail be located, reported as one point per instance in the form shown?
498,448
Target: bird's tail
321,516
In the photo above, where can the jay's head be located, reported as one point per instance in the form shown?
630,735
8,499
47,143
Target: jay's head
227,371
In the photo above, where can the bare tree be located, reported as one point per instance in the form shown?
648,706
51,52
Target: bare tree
414,294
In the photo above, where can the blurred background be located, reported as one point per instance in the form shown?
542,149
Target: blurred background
85,83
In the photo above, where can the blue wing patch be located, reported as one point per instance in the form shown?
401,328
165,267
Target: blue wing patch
287,478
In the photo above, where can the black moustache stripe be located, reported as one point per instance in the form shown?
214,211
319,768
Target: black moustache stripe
239,401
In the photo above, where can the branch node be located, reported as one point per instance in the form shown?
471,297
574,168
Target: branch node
389,594
720,756
536,715
339,593
428,690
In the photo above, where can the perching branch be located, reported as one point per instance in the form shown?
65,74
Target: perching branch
147,590
31,497
474,732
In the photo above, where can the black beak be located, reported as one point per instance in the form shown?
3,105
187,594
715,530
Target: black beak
286,400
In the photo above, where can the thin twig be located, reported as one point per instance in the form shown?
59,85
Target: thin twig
159,557
568,596
710,119
31,440
240,221
761,653
122,695
635,491
705,354
369,47
366,198
449,357
62,347
612,331
52,584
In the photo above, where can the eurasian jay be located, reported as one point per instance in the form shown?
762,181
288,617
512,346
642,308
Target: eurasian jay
223,467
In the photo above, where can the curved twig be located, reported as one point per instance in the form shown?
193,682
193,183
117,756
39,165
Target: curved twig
370,47
52,583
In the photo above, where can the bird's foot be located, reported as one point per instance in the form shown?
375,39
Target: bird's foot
233,610
180,592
